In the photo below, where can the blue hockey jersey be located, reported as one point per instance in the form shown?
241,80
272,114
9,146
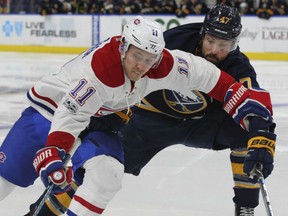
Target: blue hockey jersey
194,104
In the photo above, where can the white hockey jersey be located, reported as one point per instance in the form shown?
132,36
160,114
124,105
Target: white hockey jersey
94,84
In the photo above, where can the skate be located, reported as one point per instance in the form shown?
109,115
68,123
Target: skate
244,211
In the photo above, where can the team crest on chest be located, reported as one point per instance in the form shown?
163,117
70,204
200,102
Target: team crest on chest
186,102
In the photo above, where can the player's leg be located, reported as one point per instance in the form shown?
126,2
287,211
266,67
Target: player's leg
246,191
101,156
102,180
18,150
99,161
145,135
142,138
217,131
6,188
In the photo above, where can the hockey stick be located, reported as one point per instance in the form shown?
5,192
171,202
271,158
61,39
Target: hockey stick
264,192
50,187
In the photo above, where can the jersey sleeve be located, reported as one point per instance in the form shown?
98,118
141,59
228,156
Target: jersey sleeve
196,73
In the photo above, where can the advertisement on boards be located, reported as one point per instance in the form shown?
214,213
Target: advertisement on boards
83,31
60,30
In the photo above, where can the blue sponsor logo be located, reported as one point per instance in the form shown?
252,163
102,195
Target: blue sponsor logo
9,28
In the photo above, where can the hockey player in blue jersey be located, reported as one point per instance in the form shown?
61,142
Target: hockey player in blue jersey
166,117
194,119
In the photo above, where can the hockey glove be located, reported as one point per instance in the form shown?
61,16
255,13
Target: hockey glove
241,103
261,148
49,166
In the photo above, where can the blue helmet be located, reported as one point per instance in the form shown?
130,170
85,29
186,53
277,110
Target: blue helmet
223,22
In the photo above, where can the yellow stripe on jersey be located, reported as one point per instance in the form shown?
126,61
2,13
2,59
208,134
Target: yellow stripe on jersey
147,106
246,82
246,185
125,116
237,169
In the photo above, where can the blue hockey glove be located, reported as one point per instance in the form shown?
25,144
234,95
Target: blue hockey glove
242,103
261,148
49,166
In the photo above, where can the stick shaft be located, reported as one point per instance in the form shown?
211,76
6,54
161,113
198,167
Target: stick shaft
265,196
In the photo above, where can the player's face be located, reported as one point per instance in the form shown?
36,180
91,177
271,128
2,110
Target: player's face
215,49
137,62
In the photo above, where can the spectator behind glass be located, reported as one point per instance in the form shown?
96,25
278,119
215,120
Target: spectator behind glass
95,6
244,6
148,6
83,6
3,6
129,7
47,7
191,7
110,7
50,7
166,7
264,12
278,7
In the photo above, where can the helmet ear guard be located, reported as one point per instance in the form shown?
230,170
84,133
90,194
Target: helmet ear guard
123,47
223,22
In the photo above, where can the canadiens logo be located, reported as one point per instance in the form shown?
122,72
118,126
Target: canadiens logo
2,157
136,21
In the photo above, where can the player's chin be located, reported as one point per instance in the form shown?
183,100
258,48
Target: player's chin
212,59
134,76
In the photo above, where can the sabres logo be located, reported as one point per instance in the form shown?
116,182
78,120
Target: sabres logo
186,102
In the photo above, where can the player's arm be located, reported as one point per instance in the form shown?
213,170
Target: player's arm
71,117
241,102
252,109
194,72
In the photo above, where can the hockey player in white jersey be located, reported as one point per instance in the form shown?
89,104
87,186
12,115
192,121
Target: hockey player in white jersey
108,78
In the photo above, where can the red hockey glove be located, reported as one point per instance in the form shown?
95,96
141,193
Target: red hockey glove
261,148
241,103
49,166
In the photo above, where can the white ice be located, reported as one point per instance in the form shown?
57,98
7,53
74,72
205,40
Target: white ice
179,181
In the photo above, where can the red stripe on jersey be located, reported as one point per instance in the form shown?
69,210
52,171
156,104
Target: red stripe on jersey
106,63
88,205
222,86
60,139
44,98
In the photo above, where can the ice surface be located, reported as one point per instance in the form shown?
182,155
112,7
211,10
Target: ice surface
179,181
